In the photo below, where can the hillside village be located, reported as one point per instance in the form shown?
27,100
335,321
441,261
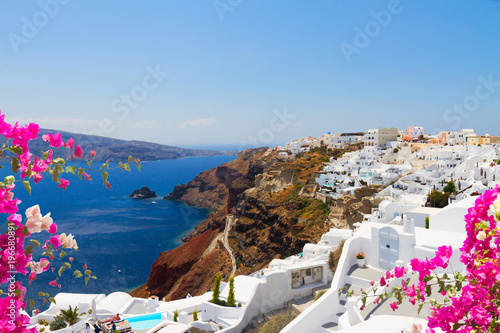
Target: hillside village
421,187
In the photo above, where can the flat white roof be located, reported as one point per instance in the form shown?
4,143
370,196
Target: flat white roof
424,210
244,287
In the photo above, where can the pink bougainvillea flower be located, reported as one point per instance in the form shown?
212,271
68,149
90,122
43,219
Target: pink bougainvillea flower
39,166
70,144
63,183
32,277
394,306
382,281
398,272
78,152
107,184
71,259
93,153
87,176
37,178
53,140
48,160
53,283
52,229
54,240
85,266
372,283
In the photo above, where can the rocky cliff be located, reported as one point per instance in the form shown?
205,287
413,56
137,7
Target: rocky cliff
274,212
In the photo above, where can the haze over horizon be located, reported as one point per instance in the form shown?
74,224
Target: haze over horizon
249,73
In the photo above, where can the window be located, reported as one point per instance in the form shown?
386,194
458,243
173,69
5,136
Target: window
308,272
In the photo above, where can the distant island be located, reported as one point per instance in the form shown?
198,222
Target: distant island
143,193
119,150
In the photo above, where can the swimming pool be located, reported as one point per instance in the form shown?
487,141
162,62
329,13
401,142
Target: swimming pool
145,322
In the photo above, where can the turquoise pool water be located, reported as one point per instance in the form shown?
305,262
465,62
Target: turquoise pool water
145,322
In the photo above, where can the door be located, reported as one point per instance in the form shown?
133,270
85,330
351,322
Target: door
317,274
388,248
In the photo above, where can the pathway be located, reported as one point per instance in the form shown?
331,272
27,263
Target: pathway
229,222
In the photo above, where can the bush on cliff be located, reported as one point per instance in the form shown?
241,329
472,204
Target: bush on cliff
278,322
334,258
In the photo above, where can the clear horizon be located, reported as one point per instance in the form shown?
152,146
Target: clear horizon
249,73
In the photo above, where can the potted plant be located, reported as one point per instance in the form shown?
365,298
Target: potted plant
360,257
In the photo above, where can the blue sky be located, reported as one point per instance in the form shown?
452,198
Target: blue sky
249,72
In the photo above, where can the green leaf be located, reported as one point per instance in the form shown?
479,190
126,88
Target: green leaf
104,166
41,294
51,299
27,185
77,274
55,173
67,264
88,272
138,166
61,269
94,277
62,254
86,280
71,169
9,180
130,158
15,165
126,166
29,250
59,160
105,176
25,231
16,150
35,242
89,164
32,304
420,307
80,171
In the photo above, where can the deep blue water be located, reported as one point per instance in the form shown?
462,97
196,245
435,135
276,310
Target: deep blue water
115,232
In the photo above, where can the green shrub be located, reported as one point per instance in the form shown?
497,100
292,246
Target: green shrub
216,291
176,315
195,315
427,222
71,316
57,323
41,330
438,199
334,257
450,188
43,322
231,301
278,322
239,305
319,294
